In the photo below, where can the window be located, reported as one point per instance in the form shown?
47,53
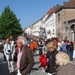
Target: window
58,17
53,30
66,29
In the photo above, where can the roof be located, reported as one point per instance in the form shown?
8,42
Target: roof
57,8
50,11
70,4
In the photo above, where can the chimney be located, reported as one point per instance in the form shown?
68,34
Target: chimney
57,5
65,3
54,6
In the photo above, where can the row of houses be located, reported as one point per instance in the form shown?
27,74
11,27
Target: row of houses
58,22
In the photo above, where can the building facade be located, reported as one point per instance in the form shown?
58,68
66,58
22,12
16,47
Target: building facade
49,24
65,22
58,22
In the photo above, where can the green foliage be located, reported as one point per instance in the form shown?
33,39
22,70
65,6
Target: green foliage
9,24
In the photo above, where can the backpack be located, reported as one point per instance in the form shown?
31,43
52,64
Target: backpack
43,60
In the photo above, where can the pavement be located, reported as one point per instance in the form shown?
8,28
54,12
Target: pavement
35,71
3,66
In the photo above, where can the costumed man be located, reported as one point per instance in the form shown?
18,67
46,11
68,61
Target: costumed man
9,51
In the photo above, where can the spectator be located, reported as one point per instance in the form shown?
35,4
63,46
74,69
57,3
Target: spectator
25,60
16,52
31,46
51,65
68,47
65,67
64,46
74,54
9,51
1,46
71,51
40,43
35,45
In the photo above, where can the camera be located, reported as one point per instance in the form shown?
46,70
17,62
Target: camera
8,50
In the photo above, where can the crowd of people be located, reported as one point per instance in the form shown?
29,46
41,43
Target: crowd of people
19,54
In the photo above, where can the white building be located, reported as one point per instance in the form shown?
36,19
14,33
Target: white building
50,24
28,30
46,25
36,27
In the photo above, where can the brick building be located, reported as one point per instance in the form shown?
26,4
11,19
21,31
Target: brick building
65,20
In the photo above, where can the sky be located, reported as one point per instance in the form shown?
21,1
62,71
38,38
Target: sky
29,11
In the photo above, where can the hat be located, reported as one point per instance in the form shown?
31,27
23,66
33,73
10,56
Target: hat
51,44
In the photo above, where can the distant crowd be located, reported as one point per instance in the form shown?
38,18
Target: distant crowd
54,55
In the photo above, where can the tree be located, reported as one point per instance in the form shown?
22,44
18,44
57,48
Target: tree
9,24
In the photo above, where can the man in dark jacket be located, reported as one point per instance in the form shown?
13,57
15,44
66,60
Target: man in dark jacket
25,60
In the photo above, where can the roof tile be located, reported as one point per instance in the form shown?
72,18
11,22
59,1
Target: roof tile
71,3
50,11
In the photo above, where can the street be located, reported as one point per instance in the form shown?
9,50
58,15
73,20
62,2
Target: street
35,70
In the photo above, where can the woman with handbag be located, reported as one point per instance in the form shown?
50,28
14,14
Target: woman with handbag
51,65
